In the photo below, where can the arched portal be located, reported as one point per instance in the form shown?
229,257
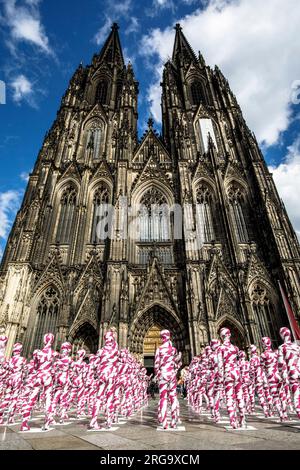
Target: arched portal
85,337
237,337
152,341
149,323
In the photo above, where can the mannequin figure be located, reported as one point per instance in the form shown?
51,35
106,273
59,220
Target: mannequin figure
62,380
269,362
230,378
106,371
3,365
16,368
43,384
167,363
213,381
257,382
78,380
289,366
245,377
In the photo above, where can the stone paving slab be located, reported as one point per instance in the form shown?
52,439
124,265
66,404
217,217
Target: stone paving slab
140,433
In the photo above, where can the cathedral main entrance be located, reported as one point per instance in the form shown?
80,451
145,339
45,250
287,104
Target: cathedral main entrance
152,341
145,331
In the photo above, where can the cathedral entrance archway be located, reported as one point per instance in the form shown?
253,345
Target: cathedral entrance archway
85,337
148,325
152,342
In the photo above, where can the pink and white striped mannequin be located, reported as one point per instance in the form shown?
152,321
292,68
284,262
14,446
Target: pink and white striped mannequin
167,363
257,382
62,367
269,362
43,383
16,368
106,371
3,365
289,366
213,380
230,377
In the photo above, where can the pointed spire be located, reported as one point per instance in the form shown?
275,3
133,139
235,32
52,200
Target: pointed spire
150,123
182,46
112,49
201,60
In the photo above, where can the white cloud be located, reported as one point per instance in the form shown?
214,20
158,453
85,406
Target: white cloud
133,27
128,57
163,3
255,44
120,8
287,180
22,90
113,12
24,176
102,34
25,24
9,204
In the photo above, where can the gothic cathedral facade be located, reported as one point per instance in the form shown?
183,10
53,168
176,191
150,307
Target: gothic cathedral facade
56,275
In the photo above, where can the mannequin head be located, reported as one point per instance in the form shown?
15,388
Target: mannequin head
81,353
225,334
17,349
48,339
109,338
3,343
214,344
266,343
165,335
242,355
285,334
66,349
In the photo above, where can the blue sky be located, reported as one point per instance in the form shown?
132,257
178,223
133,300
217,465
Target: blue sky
43,41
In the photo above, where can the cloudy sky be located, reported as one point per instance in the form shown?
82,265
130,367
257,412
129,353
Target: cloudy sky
255,43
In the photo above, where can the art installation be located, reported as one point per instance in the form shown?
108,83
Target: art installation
167,364
115,383
235,383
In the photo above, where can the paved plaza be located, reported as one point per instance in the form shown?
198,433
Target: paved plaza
140,433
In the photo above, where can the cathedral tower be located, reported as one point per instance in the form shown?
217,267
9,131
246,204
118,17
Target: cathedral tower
60,274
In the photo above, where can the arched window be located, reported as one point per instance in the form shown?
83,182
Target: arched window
263,312
237,209
154,217
99,226
93,141
47,316
119,92
205,227
196,92
102,92
67,214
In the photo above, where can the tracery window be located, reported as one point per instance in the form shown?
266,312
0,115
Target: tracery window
196,92
67,214
93,141
154,217
99,226
264,312
102,92
47,316
206,131
204,211
237,209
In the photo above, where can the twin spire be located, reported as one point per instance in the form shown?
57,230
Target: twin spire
112,49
